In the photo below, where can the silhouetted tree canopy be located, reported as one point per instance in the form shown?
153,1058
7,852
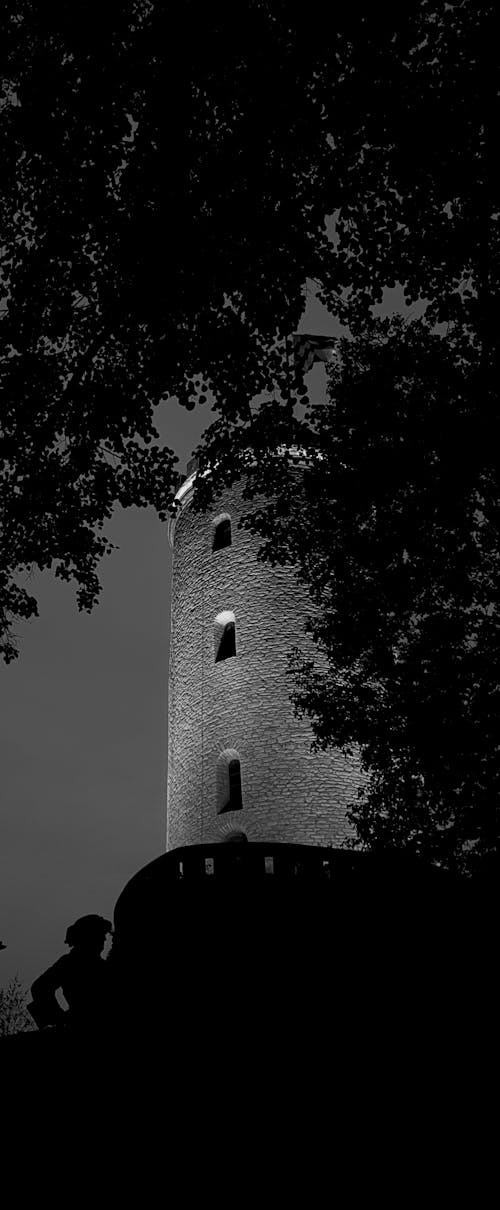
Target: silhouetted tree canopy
167,172
395,532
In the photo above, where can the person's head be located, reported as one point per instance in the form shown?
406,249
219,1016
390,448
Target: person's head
88,932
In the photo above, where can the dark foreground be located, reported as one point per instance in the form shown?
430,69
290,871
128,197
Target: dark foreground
279,1028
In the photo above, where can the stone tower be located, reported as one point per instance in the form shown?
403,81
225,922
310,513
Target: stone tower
254,928
239,762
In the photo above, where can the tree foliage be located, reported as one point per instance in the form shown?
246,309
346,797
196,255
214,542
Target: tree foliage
166,178
394,532
158,223
14,1017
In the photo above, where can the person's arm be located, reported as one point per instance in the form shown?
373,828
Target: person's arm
45,1008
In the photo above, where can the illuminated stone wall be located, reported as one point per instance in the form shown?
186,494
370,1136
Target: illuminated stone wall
240,706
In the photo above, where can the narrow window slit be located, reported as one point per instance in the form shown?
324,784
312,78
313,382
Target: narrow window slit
222,534
229,795
224,636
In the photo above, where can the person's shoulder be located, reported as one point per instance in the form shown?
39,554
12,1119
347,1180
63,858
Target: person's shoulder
51,977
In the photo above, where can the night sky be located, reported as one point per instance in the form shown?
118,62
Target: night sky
84,735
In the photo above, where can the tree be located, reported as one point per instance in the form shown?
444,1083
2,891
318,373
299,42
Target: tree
394,532
14,1018
126,283
153,190
167,174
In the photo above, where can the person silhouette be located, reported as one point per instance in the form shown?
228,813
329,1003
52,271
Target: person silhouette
80,975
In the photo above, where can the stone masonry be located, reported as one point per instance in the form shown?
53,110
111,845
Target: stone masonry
239,708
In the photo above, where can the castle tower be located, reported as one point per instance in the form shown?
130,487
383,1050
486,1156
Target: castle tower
239,762
253,926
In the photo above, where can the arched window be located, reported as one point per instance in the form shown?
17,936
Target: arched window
235,837
222,532
228,788
224,636
235,803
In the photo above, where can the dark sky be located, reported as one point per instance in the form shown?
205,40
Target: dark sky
84,735
83,747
